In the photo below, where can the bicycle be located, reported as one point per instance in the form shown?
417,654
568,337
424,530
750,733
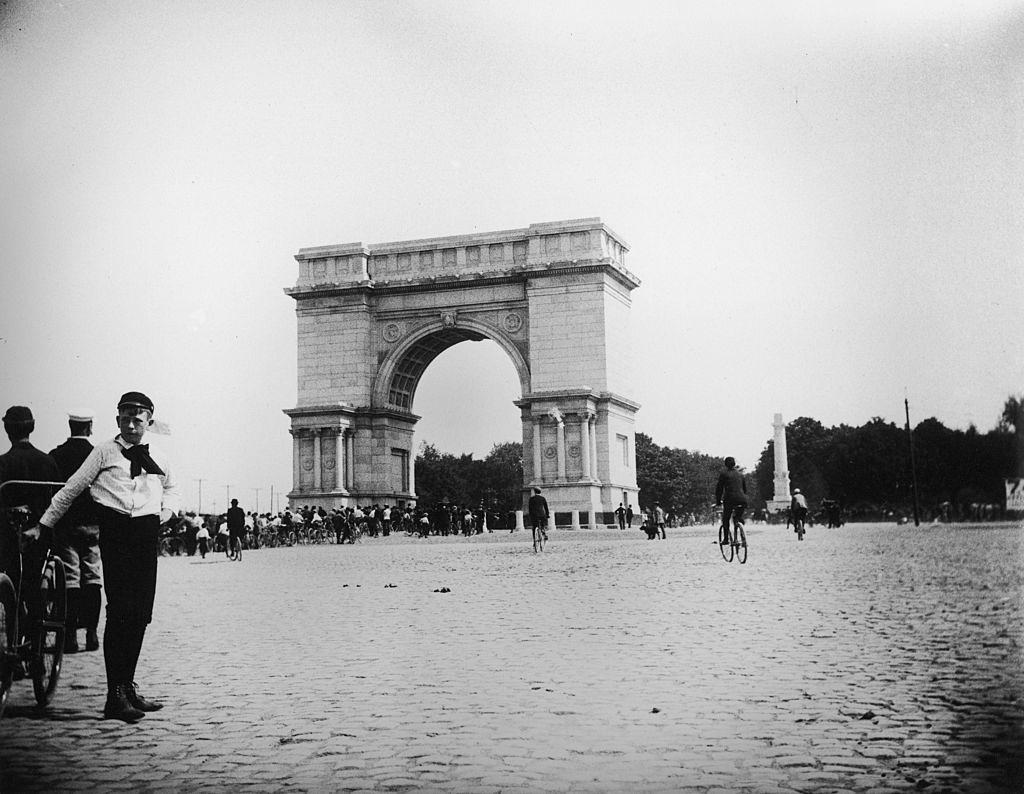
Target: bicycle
32,627
799,526
233,548
172,546
539,537
733,544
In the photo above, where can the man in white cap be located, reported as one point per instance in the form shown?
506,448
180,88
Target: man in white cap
798,507
77,540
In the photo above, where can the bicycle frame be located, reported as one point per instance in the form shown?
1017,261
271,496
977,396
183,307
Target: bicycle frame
40,641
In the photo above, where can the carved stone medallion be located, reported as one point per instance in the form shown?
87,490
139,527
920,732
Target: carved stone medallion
512,322
550,452
391,332
449,319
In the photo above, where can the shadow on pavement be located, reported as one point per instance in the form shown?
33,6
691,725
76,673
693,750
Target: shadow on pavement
37,714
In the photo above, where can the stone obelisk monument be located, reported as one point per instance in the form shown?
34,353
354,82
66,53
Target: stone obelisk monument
781,500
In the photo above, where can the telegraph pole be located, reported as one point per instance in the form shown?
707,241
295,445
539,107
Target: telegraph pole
913,465
257,509
200,481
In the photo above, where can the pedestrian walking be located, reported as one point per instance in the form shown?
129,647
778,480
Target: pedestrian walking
236,525
620,516
203,540
135,491
77,541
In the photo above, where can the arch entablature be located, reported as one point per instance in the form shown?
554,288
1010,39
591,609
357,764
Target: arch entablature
399,374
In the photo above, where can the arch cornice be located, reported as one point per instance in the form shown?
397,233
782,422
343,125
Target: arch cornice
388,367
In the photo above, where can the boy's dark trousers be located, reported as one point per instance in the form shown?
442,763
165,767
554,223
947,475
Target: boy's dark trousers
129,548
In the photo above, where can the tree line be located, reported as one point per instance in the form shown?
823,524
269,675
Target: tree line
866,469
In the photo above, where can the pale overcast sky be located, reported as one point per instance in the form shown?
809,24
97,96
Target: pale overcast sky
824,203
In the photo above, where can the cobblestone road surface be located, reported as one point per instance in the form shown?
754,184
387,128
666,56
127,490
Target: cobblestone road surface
867,659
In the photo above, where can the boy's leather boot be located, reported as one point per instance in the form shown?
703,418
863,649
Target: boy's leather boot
118,707
138,702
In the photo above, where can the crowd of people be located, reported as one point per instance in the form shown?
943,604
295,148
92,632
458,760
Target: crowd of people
194,533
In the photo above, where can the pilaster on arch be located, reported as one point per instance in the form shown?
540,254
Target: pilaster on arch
466,329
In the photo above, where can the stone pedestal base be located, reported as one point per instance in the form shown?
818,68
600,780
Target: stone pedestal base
567,502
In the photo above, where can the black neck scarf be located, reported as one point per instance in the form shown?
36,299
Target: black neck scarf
140,459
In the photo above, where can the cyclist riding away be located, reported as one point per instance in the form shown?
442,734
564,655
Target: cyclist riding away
731,492
798,509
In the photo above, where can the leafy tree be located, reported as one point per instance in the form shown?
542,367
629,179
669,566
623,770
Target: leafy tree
496,481
681,481
1012,421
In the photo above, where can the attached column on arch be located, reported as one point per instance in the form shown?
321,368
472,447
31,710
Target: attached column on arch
555,414
538,470
296,461
585,460
317,474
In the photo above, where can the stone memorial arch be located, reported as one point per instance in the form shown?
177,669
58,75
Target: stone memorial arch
371,318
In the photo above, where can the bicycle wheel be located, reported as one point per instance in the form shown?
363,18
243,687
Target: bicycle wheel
723,546
740,538
8,638
538,539
799,527
237,544
48,645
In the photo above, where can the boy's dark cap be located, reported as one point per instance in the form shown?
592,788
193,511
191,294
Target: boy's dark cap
135,399
18,413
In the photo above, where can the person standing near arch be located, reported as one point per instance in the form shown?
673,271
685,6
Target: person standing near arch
236,525
135,492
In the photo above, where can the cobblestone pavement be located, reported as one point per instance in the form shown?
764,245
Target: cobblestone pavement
869,659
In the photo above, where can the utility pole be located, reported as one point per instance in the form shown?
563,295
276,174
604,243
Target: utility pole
227,496
913,465
200,481
257,509
272,499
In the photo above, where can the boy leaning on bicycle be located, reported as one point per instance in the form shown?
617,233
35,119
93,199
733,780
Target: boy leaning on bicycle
731,491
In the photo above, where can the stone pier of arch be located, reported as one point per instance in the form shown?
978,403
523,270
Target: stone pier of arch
371,318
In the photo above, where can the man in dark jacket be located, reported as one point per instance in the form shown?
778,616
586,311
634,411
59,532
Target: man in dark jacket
731,492
22,462
77,540
538,508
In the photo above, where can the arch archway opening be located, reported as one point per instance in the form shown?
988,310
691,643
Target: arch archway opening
415,362
465,399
